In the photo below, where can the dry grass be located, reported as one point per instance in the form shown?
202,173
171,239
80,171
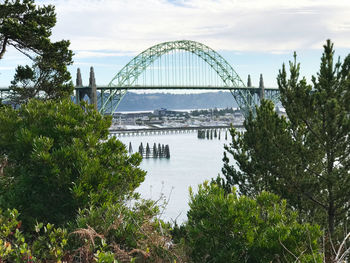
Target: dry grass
85,253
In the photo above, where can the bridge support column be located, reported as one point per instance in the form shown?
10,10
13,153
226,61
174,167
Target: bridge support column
90,91
261,88
249,85
92,87
79,91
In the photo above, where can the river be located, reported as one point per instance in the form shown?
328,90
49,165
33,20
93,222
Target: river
192,162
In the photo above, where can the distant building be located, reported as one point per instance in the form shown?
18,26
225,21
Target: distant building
163,112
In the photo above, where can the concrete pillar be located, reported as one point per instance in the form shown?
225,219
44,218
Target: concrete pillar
90,91
261,87
249,83
79,93
93,88
79,81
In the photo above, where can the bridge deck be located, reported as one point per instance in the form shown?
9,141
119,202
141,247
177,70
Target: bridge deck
166,88
177,88
113,131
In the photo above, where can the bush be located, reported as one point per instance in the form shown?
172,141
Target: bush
60,159
47,245
227,228
131,233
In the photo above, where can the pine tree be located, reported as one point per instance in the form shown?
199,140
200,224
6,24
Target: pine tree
305,158
27,27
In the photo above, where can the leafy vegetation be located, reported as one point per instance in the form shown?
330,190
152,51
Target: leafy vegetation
132,233
59,159
27,28
305,158
47,246
47,78
226,228
110,233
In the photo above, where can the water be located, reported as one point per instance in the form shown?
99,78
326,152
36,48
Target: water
192,162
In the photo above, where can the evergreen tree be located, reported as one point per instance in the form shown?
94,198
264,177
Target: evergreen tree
27,28
305,158
47,78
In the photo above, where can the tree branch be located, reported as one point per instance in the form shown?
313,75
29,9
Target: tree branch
317,174
291,253
24,53
3,48
312,131
341,247
314,200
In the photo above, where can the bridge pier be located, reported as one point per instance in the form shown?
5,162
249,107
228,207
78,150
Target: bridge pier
261,88
90,91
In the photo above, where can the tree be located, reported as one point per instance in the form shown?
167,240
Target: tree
305,158
266,156
223,227
60,159
27,28
48,78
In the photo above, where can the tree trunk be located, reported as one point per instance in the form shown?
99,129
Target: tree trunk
3,48
329,246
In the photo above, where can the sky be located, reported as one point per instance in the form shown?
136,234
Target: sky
254,36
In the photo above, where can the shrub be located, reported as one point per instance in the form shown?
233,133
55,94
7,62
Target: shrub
47,245
60,159
226,228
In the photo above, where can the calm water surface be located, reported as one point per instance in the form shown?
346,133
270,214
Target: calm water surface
192,162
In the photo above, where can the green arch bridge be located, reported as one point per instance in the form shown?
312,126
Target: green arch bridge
175,65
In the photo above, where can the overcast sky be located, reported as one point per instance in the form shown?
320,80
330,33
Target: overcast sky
255,36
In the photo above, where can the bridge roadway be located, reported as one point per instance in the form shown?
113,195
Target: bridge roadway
6,89
173,87
167,130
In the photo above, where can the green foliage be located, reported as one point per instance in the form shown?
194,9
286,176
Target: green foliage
13,247
305,158
48,78
51,242
48,246
132,233
105,257
256,153
27,28
225,228
60,159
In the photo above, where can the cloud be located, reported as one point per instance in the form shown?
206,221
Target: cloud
105,32
81,54
252,25
5,68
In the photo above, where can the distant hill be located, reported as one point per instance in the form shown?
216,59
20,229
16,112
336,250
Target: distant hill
151,101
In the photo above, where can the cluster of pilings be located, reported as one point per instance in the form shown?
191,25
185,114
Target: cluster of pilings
210,134
160,151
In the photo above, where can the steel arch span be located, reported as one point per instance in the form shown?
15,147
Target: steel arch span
129,74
